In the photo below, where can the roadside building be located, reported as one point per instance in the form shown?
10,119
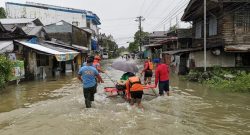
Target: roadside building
49,14
151,46
163,44
175,47
7,48
43,60
72,36
69,34
31,27
228,29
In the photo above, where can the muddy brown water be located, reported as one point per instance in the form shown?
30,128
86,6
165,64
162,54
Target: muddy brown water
57,108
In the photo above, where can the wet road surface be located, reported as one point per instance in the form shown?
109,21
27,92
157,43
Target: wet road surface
57,108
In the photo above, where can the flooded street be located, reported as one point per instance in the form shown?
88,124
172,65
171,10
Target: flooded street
57,108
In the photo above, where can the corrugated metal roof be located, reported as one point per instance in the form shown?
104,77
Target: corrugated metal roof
81,47
181,51
6,46
32,31
40,48
2,29
57,48
61,54
9,27
14,28
17,21
158,34
59,27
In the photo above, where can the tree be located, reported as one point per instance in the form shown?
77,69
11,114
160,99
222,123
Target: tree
108,43
5,70
134,46
2,13
173,28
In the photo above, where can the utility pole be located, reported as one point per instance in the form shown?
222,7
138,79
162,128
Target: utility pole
205,35
140,19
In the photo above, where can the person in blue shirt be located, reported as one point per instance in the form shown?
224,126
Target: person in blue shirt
87,75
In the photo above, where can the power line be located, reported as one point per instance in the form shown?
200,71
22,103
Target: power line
176,11
153,8
141,8
118,19
172,13
150,5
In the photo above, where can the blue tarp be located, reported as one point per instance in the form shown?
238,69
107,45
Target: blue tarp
34,40
94,45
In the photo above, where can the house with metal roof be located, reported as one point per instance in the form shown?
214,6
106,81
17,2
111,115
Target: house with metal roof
49,14
31,27
69,34
227,35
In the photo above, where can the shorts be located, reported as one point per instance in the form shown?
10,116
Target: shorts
163,86
148,73
136,94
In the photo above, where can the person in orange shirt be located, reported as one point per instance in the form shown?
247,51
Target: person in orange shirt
97,64
134,90
148,67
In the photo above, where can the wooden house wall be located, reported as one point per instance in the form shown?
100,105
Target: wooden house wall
226,30
232,34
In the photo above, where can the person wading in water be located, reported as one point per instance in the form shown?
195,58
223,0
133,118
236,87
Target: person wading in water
162,76
148,67
87,75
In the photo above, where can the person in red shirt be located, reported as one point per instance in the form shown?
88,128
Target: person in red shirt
162,76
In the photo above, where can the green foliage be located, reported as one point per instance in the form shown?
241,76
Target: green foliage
173,28
2,13
121,49
228,79
108,42
5,70
134,46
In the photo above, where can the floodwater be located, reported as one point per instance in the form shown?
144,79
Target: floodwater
57,108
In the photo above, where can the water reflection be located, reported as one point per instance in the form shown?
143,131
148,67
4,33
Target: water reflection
26,93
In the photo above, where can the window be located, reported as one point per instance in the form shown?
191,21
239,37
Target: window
88,23
42,60
212,26
198,30
242,20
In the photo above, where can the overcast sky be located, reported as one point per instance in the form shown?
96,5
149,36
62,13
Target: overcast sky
118,16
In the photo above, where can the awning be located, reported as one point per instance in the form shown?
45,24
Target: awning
181,51
64,45
61,54
152,45
237,48
81,47
6,46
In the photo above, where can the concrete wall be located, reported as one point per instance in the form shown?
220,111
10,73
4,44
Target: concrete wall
223,60
40,72
47,16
